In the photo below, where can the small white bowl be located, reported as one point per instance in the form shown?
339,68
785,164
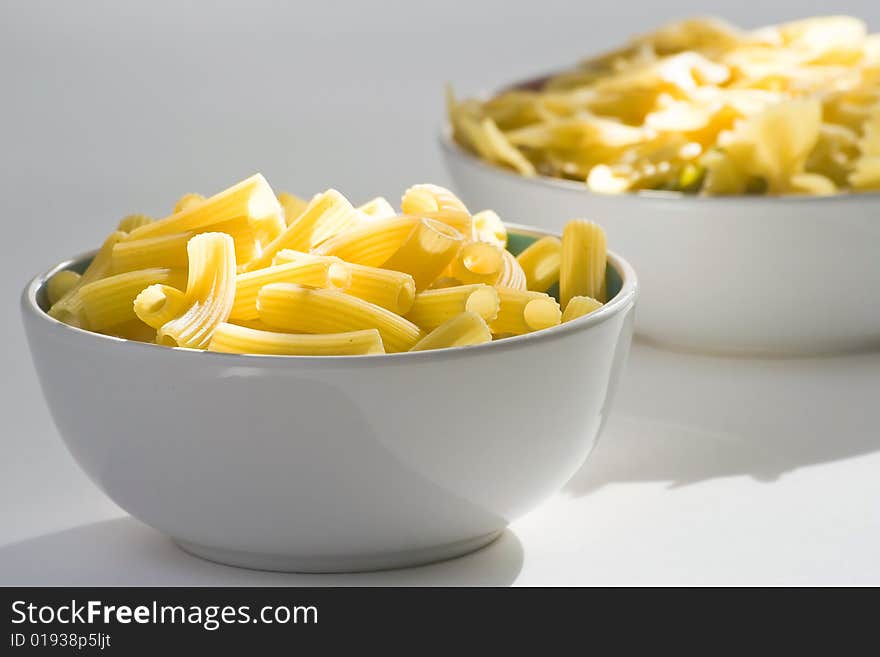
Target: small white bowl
332,463
733,275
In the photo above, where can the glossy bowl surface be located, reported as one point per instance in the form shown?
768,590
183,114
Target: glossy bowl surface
332,463
776,276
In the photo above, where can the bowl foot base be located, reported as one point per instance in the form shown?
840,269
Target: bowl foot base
338,564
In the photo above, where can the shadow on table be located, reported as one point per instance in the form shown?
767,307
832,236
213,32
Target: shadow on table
683,418
124,552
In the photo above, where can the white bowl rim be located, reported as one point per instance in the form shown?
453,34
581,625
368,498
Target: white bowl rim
624,298
448,144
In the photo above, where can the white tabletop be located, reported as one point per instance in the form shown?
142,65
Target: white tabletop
709,471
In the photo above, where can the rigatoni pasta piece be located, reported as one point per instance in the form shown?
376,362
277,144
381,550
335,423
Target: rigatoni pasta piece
109,301
60,284
523,312
426,252
462,330
434,307
578,307
393,290
170,250
252,199
132,221
229,338
512,275
477,262
159,304
311,272
584,258
68,308
326,215
378,208
293,206
210,293
295,308
372,243
540,262
488,227
438,203
188,201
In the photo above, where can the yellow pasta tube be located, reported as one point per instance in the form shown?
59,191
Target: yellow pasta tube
524,312
488,227
372,243
295,308
132,221
434,307
393,290
233,339
378,208
110,301
251,198
188,201
540,262
324,272
60,284
210,292
438,203
460,331
159,304
326,215
426,252
68,308
293,206
578,307
512,275
477,262
170,250
582,267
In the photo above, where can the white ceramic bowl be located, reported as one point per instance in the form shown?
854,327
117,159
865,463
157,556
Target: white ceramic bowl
332,463
743,275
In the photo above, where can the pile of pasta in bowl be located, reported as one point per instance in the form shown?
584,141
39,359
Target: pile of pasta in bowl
700,107
246,271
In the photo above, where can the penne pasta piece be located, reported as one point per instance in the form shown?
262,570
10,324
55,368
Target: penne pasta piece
188,201
435,202
477,262
378,208
170,250
582,267
311,272
229,338
68,308
512,275
60,284
110,301
252,199
326,215
426,252
523,312
210,293
132,221
488,227
255,324
295,308
578,307
540,262
372,243
159,304
434,307
293,206
462,330
392,290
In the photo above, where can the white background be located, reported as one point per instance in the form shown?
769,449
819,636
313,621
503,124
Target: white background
710,471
